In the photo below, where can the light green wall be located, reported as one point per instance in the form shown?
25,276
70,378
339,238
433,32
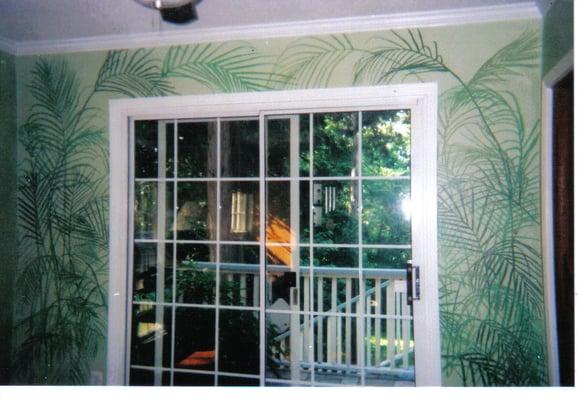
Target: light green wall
557,33
491,300
8,209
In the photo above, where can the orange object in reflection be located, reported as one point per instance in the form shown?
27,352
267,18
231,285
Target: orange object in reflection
279,232
198,358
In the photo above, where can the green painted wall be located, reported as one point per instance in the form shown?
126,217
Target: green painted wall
491,295
8,209
557,33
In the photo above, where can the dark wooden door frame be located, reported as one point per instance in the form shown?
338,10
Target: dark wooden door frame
549,184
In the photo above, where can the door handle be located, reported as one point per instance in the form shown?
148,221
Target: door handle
413,282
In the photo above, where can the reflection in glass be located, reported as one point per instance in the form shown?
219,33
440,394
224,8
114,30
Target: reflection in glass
239,148
384,221
239,275
335,212
278,224
146,272
196,275
334,148
386,143
238,342
239,211
197,149
194,338
287,355
151,335
330,257
196,211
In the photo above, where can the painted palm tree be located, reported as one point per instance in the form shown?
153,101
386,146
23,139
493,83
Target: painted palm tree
491,292
63,206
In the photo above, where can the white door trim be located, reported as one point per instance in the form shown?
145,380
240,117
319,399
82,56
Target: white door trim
421,98
547,233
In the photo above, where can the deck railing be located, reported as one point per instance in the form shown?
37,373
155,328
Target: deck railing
350,331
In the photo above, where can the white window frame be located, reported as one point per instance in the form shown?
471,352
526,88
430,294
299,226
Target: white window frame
420,98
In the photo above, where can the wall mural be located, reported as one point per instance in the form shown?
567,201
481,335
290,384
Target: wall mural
491,294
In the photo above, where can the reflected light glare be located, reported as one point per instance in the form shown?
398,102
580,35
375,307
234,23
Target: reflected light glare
406,207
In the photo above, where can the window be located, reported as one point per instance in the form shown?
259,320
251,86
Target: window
268,243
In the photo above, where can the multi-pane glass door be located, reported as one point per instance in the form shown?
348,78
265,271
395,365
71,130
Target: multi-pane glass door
272,250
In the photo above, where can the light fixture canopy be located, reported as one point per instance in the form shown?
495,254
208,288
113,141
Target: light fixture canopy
175,11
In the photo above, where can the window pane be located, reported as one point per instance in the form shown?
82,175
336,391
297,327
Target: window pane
386,258
278,144
335,212
335,149
196,213
240,209
386,213
239,148
185,379
335,343
196,274
197,149
147,270
386,143
239,350
236,381
283,360
334,267
146,149
194,339
239,275
151,325
145,210
142,377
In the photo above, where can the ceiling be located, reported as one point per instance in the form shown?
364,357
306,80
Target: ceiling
23,21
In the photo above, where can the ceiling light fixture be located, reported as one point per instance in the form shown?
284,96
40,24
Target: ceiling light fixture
175,11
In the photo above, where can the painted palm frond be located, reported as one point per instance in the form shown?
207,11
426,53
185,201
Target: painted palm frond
132,74
399,56
221,68
311,62
509,62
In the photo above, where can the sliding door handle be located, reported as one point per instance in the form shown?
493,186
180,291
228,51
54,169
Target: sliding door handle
413,282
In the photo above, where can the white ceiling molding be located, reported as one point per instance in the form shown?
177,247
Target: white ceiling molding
517,11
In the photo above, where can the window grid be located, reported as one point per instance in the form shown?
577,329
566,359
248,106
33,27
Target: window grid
311,314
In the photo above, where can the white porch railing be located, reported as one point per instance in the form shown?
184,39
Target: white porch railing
383,343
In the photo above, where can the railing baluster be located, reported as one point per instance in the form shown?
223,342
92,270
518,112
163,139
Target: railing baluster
368,330
243,299
391,310
340,339
256,291
348,322
332,325
377,322
307,322
320,323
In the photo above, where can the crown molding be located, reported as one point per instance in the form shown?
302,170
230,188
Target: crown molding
517,11
8,46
